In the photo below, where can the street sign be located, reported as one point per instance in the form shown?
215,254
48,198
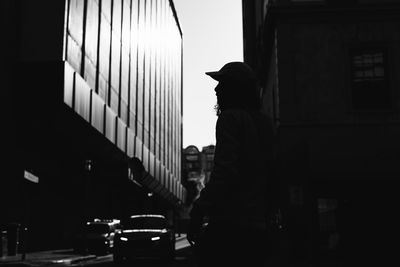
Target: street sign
31,177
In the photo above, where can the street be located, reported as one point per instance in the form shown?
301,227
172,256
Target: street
63,258
183,259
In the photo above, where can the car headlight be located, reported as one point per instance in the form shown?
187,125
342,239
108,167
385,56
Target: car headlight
155,238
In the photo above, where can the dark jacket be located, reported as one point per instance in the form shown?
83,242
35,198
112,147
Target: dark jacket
243,166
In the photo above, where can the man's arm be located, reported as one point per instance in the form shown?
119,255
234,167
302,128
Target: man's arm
226,161
225,168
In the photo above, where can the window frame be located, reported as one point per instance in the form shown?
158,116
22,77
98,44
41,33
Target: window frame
364,49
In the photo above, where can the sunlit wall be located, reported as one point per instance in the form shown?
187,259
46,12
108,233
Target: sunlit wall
124,77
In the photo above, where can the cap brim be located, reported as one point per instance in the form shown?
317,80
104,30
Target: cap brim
216,75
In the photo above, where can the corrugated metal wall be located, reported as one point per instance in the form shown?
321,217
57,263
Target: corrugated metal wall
124,76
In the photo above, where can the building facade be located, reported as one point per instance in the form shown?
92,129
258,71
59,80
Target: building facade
329,72
192,171
207,159
92,83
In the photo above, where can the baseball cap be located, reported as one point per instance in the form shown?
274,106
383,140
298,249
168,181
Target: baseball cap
234,70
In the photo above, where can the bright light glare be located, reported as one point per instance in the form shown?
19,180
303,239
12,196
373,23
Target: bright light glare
147,215
155,238
145,231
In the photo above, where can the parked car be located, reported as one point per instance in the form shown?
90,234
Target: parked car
145,236
97,236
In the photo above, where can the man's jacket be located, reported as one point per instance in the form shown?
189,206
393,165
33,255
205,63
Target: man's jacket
239,185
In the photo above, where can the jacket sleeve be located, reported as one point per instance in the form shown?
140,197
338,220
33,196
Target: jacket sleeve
226,162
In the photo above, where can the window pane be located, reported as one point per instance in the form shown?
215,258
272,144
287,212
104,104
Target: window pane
369,82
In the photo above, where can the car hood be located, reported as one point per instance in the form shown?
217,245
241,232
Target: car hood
92,236
137,234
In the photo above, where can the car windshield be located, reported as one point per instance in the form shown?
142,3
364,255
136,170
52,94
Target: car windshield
97,228
147,223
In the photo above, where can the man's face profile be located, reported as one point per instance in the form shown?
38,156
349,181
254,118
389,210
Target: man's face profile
221,91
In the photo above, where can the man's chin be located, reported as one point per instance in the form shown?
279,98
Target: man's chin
217,109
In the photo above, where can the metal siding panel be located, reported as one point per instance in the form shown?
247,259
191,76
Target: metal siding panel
115,54
75,20
104,56
82,98
114,99
117,18
162,110
126,25
133,62
98,107
175,188
130,139
145,157
115,63
90,73
92,29
68,84
160,82
157,169
162,174
151,164
126,39
124,111
124,87
146,112
153,46
140,70
103,88
167,180
106,9
110,125
139,148
121,135
165,92
132,120
74,54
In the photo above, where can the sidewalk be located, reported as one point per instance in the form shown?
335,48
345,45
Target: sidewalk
41,258
64,256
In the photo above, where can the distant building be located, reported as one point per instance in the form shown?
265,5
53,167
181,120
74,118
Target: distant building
330,77
192,177
192,162
207,161
197,167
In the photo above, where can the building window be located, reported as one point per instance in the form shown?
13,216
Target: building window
328,230
369,80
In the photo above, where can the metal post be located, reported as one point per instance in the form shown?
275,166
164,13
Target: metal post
88,169
24,241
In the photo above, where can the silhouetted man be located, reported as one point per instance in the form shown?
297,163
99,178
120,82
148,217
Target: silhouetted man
235,200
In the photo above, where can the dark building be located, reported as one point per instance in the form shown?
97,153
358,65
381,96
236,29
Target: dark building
89,83
330,78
